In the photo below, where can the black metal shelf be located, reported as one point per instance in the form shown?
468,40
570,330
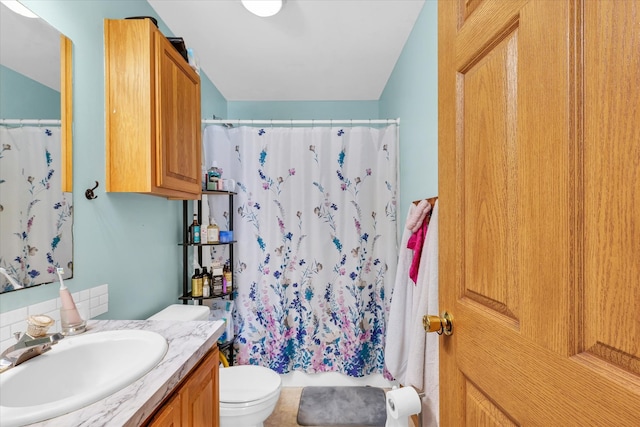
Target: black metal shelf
186,277
208,244
188,297
227,344
219,192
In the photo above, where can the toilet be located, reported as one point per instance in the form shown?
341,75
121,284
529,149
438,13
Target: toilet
248,395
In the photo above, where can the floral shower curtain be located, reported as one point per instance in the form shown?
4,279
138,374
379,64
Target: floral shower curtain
315,222
35,215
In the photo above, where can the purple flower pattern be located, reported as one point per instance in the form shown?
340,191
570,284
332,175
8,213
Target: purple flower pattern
35,263
304,309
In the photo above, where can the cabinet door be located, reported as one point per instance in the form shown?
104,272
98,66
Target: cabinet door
178,148
152,113
200,394
169,415
129,83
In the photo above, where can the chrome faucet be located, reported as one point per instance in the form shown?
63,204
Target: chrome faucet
26,348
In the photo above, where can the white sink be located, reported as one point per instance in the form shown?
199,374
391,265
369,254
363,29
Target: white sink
77,372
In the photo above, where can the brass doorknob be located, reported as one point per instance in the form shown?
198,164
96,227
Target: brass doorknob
439,324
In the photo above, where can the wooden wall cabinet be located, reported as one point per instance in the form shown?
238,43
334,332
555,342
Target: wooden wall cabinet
196,401
153,125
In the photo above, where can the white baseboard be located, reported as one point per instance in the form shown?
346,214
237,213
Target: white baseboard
302,379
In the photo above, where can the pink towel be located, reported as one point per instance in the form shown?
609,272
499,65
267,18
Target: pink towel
416,242
417,215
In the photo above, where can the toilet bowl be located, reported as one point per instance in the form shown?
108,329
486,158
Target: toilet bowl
248,395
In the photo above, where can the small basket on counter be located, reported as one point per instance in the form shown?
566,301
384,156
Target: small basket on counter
38,325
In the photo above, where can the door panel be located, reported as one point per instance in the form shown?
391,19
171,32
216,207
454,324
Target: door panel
490,144
481,411
539,172
179,122
612,185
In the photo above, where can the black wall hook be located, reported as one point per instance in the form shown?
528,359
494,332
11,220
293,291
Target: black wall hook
89,193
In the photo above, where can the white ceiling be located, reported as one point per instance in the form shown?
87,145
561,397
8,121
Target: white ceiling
31,47
313,50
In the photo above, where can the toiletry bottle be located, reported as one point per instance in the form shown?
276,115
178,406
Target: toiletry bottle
216,282
206,283
193,62
204,230
213,176
196,284
224,284
213,232
194,230
228,275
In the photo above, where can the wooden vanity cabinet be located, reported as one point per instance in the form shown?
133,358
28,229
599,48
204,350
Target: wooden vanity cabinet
153,124
169,415
196,400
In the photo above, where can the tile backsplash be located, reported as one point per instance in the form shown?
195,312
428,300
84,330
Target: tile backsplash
13,321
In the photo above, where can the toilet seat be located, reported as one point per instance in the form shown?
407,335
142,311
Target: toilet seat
247,385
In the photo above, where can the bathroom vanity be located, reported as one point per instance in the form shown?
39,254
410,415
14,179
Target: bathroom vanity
195,401
181,388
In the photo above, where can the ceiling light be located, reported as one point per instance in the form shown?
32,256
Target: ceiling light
263,8
19,8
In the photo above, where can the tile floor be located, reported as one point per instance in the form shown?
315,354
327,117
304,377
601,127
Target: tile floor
286,411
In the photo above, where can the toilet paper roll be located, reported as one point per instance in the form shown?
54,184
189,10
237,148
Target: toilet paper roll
403,402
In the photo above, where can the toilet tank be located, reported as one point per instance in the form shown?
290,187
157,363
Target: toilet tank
182,312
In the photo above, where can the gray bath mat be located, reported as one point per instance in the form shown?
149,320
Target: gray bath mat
342,406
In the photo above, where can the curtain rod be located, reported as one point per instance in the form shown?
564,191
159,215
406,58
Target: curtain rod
302,122
42,122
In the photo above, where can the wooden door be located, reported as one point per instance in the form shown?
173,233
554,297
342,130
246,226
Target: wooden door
539,212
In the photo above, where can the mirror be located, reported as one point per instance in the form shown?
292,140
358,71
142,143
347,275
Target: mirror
35,108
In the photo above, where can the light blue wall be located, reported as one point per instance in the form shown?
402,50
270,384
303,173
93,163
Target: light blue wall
24,98
213,103
299,110
130,241
412,94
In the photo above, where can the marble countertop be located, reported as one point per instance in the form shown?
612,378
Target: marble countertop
188,342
